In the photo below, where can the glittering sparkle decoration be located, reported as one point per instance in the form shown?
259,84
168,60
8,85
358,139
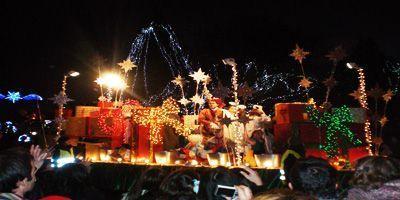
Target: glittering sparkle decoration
337,55
127,65
13,96
231,62
299,54
388,95
305,83
60,99
336,124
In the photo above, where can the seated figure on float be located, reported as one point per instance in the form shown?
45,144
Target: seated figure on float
256,137
209,118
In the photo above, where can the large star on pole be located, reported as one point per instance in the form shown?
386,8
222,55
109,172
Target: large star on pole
207,79
198,76
127,65
305,83
375,92
330,82
60,99
336,55
221,91
388,96
299,54
356,94
197,99
383,121
184,101
13,96
179,81
245,91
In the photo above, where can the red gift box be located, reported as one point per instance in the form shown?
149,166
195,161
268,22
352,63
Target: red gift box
286,113
142,147
357,153
308,132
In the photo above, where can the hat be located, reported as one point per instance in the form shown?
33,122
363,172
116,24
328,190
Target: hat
219,101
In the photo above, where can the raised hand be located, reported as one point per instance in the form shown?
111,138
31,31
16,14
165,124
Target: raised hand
244,193
38,156
251,175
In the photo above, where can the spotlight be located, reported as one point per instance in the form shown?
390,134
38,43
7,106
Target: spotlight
73,73
352,65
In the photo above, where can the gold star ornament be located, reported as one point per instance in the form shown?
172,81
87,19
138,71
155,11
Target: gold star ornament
383,120
197,99
388,95
305,83
338,54
299,54
198,76
179,81
127,65
356,94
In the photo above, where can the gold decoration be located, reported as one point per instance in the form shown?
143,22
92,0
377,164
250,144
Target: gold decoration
299,54
127,65
356,94
383,121
305,83
388,96
330,82
197,99
198,76
375,92
184,101
336,55
179,81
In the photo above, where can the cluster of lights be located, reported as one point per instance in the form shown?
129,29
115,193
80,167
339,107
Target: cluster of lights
337,127
117,122
364,104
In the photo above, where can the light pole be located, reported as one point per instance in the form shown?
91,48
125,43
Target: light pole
61,99
363,102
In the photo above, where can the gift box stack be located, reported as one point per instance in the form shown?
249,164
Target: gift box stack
292,116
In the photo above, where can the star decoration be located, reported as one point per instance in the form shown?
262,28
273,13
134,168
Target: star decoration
383,121
99,81
245,91
244,119
2,96
356,94
330,82
305,83
375,92
336,55
226,121
198,76
229,61
127,65
207,79
102,98
388,95
221,91
13,96
197,99
299,54
184,101
179,81
60,99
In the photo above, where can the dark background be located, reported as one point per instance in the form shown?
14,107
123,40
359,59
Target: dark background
43,40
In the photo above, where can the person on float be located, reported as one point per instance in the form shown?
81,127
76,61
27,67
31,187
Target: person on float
210,117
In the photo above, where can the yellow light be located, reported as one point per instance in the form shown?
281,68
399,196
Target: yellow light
73,73
194,162
112,80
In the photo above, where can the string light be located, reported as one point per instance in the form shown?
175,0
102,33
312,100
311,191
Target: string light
337,127
364,104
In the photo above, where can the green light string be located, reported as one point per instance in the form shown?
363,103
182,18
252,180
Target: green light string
336,124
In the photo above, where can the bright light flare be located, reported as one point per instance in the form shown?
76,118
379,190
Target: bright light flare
111,80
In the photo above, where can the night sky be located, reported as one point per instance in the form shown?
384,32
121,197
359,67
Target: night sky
43,40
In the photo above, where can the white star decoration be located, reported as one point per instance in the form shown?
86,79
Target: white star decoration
178,81
198,76
102,98
207,79
127,65
197,99
60,99
184,101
